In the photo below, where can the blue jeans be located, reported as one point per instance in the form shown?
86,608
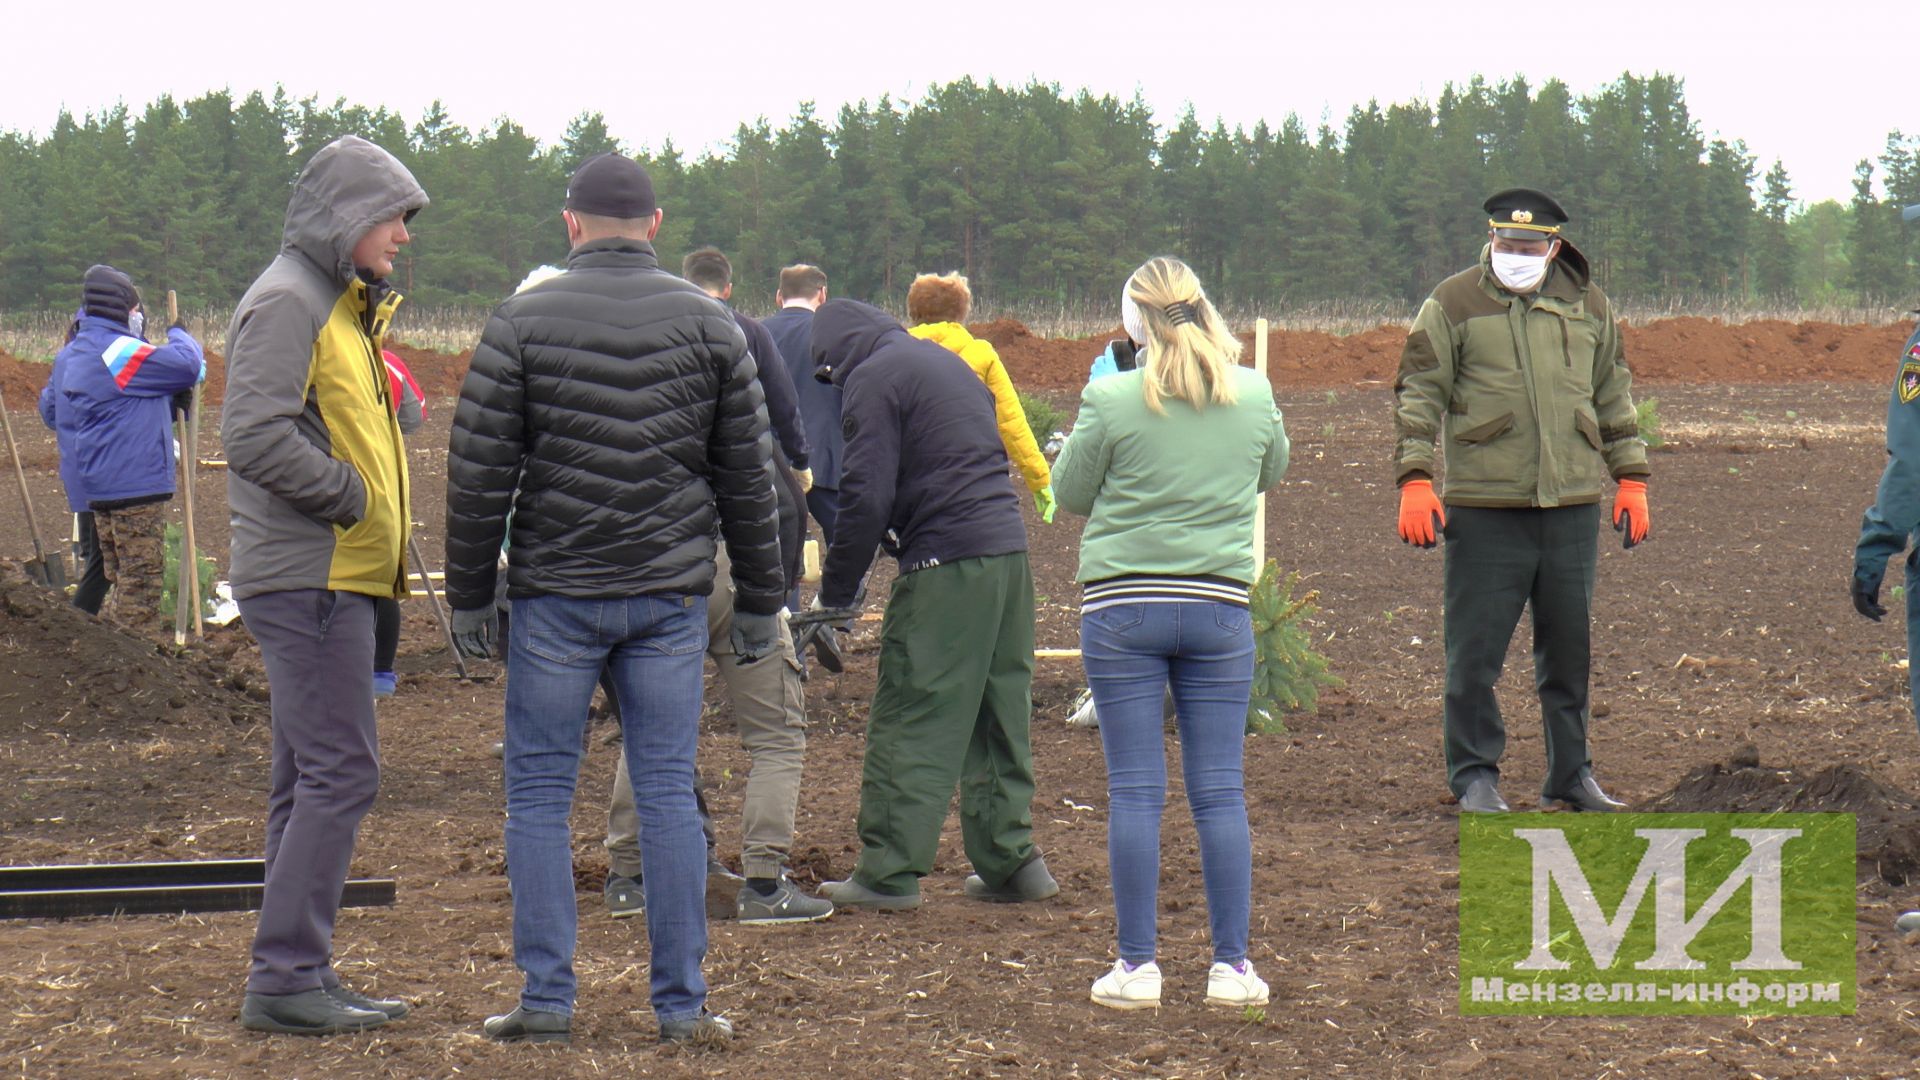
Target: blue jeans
654,647
1205,649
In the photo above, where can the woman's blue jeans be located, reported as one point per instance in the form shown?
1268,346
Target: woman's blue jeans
1205,650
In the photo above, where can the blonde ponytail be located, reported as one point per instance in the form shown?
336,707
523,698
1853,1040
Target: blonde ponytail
1189,351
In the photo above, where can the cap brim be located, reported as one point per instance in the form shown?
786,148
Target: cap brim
1506,232
1911,213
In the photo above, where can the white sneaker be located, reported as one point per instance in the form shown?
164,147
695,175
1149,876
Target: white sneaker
1908,922
1123,989
1235,989
1083,714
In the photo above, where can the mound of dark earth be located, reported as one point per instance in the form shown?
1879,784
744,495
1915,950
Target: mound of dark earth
1886,819
72,676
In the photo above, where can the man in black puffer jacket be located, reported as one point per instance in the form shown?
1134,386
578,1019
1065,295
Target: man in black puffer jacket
614,410
925,477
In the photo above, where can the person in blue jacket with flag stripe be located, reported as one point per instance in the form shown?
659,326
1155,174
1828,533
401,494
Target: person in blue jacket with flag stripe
109,404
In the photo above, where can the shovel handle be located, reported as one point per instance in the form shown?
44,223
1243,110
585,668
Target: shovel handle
20,473
433,597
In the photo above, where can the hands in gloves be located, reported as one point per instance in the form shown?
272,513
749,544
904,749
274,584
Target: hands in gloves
1630,503
1044,504
1866,590
1421,514
753,636
474,632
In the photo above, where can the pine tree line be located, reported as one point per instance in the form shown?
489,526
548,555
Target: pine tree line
1040,196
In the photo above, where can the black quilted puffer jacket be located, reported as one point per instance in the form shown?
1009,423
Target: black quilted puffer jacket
614,410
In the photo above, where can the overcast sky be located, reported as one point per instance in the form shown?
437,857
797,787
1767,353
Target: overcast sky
1816,85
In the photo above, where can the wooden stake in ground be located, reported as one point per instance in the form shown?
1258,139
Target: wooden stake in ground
1260,500
48,572
189,462
186,578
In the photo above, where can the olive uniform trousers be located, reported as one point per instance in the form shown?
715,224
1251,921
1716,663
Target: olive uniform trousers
1499,562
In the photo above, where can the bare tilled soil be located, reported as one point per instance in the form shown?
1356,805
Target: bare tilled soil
1730,629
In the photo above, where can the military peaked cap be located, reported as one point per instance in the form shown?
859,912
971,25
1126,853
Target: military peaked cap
1524,214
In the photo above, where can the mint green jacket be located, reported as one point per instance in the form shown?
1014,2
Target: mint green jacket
1169,493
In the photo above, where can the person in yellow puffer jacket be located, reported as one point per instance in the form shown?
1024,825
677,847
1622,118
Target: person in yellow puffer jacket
937,305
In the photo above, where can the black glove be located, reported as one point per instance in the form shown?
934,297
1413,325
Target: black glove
182,404
753,636
474,632
1866,592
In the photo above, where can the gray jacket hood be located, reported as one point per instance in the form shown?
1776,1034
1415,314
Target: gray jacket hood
350,186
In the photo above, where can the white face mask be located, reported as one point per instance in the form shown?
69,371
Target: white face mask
137,322
1520,273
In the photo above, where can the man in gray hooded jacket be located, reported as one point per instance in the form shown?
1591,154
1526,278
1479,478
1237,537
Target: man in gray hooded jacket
318,491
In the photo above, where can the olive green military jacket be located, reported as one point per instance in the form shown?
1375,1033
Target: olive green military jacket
1529,396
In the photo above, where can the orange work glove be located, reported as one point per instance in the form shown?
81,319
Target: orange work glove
1630,502
1421,515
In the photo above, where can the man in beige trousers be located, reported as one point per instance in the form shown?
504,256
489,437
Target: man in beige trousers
770,714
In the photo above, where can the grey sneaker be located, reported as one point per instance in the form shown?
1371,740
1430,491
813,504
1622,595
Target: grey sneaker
625,898
707,1029
786,905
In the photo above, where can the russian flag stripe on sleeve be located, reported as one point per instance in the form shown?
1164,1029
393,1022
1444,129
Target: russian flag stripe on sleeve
124,358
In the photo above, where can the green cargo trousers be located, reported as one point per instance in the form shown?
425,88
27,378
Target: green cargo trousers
1499,562
952,706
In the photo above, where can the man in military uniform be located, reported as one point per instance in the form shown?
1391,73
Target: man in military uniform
1895,514
1516,366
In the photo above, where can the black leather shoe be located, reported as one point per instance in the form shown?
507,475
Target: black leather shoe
1588,796
523,1026
311,1012
394,1008
1482,797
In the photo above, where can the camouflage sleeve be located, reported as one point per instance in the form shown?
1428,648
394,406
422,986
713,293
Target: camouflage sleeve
1625,451
1421,392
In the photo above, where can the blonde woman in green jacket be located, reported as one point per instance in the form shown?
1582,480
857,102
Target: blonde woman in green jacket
1166,461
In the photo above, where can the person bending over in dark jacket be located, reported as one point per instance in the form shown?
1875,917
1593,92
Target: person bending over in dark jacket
614,410
956,647
108,402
